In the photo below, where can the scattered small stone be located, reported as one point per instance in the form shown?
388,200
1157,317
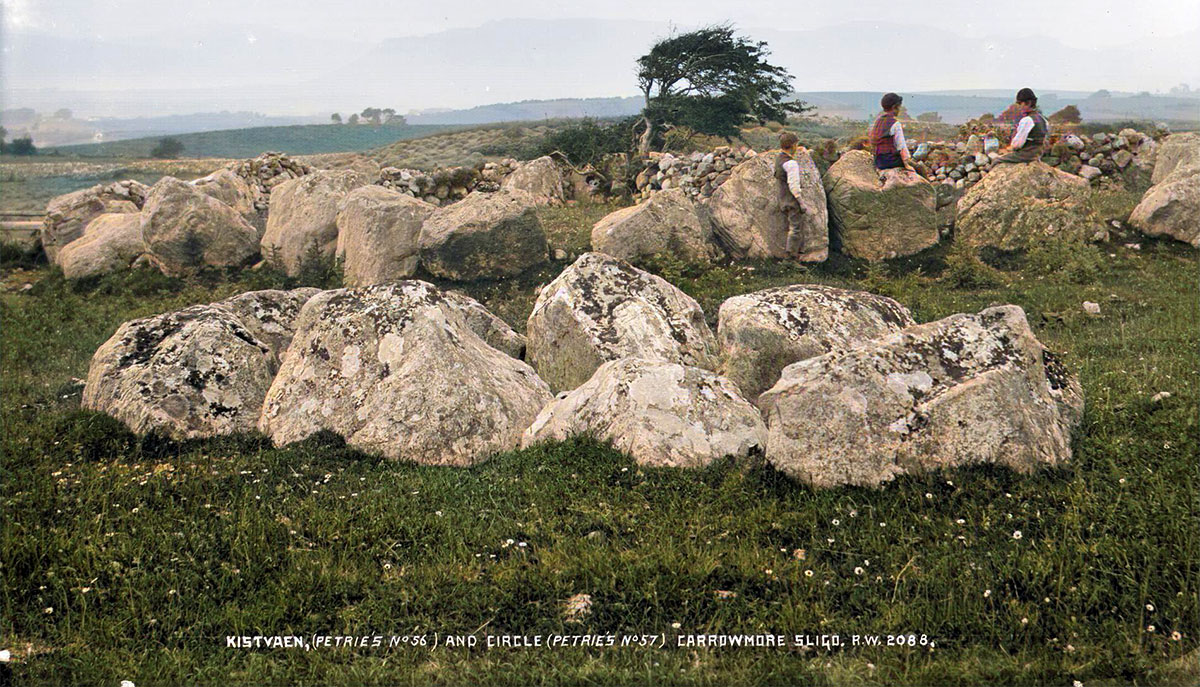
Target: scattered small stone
1091,308
1160,397
577,608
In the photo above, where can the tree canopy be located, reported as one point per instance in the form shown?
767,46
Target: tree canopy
711,81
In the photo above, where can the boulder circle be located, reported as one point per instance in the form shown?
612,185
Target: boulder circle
966,389
880,215
395,370
600,309
665,223
763,332
663,414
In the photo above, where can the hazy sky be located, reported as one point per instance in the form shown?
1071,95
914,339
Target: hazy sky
1079,23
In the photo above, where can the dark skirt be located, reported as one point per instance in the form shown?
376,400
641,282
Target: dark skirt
888,161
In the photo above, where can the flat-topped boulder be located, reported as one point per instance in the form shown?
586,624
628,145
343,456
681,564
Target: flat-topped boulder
880,215
663,414
186,229
1171,207
234,191
198,372
1019,204
763,332
302,222
484,236
967,389
667,223
68,215
541,178
396,370
601,308
378,235
111,242
746,216
1177,151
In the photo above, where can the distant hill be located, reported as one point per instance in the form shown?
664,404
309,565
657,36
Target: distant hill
309,139
530,110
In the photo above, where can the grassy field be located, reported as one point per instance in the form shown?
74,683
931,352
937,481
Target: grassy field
133,558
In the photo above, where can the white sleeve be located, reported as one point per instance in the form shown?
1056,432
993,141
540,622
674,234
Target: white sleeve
793,177
898,140
1023,129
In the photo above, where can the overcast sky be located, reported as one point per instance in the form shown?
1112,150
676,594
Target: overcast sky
1079,23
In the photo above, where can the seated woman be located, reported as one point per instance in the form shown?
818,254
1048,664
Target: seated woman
1031,132
887,136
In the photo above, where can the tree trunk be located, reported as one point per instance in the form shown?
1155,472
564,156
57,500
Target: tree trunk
647,136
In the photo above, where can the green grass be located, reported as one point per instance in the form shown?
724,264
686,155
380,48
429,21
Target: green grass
179,545
301,139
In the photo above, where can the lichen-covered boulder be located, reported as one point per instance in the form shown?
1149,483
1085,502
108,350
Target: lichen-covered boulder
396,370
198,372
68,215
600,309
746,216
666,223
234,191
1171,207
484,236
270,315
880,215
663,414
963,390
111,242
541,178
185,229
1177,151
378,235
1018,204
763,332
493,330
302,221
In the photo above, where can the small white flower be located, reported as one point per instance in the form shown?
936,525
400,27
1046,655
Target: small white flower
1077,683
675,625
48,610
808,573
769,571
928,495
1175,636
883,524
5,656
1024,621
854,513
1149,628
1070,649
1150,607
858,570
1017,534
1121,481
987,593
961,521
437,513
836,522
127,683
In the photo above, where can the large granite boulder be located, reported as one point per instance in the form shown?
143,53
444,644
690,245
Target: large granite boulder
484,236
541,178
396,370
68,215
1171,207
600,309
378,235
234,191
1018,204
746,216
668,222
663,414
198,372
302,221
763,332
963,390
1177,151
111,242
880,215
185,229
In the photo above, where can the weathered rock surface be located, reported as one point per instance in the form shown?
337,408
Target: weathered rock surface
185,229
378,235
745,209
231,189
493,330
483,236
1171,207
667,223
111,242
197,372
1017,204
396,370
302,222
763,332
661,413
68,215
880,219
270,315
540,178
962,390
1177,151
600,309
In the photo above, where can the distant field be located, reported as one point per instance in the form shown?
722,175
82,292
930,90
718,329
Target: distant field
308,139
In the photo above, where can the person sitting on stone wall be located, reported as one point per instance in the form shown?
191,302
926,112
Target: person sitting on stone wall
1032,130
787,173
887,136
